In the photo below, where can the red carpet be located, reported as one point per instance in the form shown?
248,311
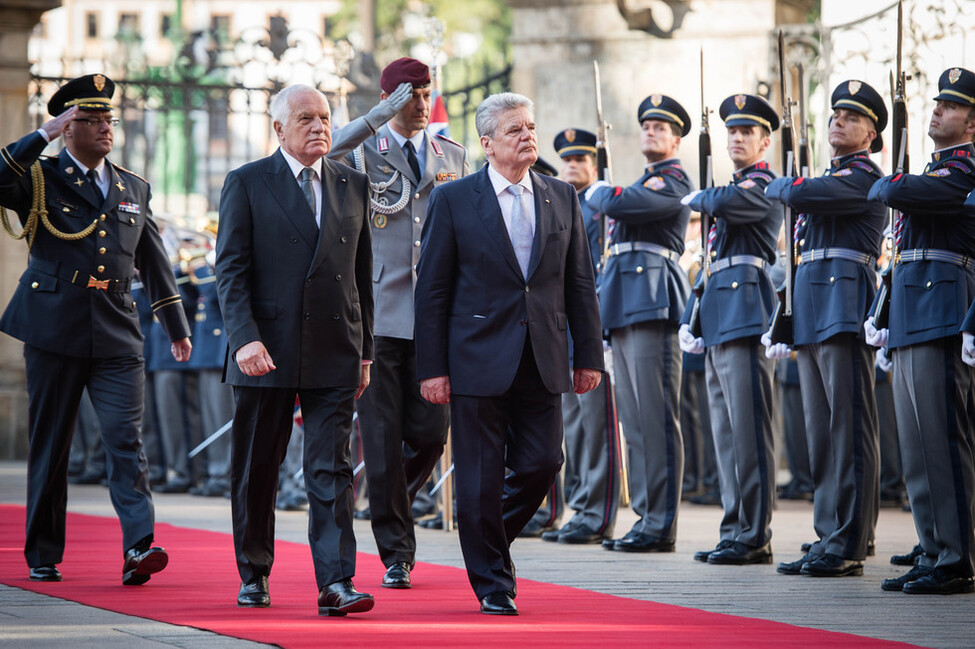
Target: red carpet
199,589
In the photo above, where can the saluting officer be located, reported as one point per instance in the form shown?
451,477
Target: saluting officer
934,282
735,311
591,472
839,232
73,310
642,296
404,163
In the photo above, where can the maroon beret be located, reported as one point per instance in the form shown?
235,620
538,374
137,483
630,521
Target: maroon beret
404,70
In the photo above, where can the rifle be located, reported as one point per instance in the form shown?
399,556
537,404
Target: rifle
602,157
781,329
706,180
881,314
804,154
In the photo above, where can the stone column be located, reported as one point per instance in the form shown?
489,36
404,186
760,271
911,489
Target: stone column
17,19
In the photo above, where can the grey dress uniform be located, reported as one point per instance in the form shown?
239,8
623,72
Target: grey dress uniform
392,414
73,310
642,294
736,306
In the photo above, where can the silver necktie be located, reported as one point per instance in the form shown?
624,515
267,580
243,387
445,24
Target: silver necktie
307,174
521,229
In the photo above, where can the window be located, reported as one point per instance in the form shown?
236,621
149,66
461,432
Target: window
165,25
128,25
220,27
91,24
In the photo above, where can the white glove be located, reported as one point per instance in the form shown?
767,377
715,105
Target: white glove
687,199
593,187
774,350
882,361
875,337
688,342
385,109
968,348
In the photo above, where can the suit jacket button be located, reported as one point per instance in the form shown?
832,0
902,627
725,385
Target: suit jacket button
102,251
528,289
928,285
34,285
294,240
416,219
102,233
338,278
524,323
344,239
734,285
216,332
639,269
416,196
416,244
100,269
335,316
832,279
102,217
307,316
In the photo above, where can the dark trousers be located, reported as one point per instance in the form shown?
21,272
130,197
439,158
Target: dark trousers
54,385
393,415
521,430
261,429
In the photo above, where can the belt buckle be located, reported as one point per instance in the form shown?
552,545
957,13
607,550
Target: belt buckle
100,284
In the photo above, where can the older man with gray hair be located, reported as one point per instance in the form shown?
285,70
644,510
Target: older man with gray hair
294,278
504,273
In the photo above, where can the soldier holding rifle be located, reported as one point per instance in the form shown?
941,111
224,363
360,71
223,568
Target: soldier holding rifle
838,234
735,310
933,284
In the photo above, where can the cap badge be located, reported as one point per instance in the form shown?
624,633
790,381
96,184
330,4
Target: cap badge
954,75
740,101
99,81
854,87
570,135
655,100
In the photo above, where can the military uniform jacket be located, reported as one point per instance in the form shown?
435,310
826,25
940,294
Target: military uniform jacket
930,296
738,301
52,308
833,295
397,212
594,230
160,359
209,337
969,324
640,286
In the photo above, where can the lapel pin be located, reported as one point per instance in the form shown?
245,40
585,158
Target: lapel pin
69,170
120,186
79,182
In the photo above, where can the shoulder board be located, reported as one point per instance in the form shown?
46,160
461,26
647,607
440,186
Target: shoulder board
675,171
962,164
760,175
863,164
440,136
131,173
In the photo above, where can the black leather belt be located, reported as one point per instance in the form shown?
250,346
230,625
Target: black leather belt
80,277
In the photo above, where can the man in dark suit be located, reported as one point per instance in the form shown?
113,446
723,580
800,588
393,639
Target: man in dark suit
294,278
75,314
504,272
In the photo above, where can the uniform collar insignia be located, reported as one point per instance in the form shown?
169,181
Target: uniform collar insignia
69,170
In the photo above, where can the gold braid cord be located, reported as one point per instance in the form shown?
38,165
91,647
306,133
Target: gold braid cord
38,208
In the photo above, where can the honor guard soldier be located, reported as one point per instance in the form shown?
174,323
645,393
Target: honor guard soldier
968,326
87,224
642,296
591,472
735,311
838,232
933,285
403,435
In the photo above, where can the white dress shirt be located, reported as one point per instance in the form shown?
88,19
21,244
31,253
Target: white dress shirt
506,199
316,181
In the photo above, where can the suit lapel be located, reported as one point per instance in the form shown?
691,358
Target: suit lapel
286,192
115,187
335,182
489,209
544,219
77,181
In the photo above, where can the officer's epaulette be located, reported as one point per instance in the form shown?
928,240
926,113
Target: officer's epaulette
674,170
864,164
964,165
447,139
131,173
760,175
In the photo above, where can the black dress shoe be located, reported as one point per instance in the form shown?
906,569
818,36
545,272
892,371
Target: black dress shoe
49,572
341,598
552,535
943,580
533,530
397,576
702,555
832,565
897,583
739,554
711,497
640,542
794,567
175,486
579,535
908,559
498,603
871,548
141,563
255,593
